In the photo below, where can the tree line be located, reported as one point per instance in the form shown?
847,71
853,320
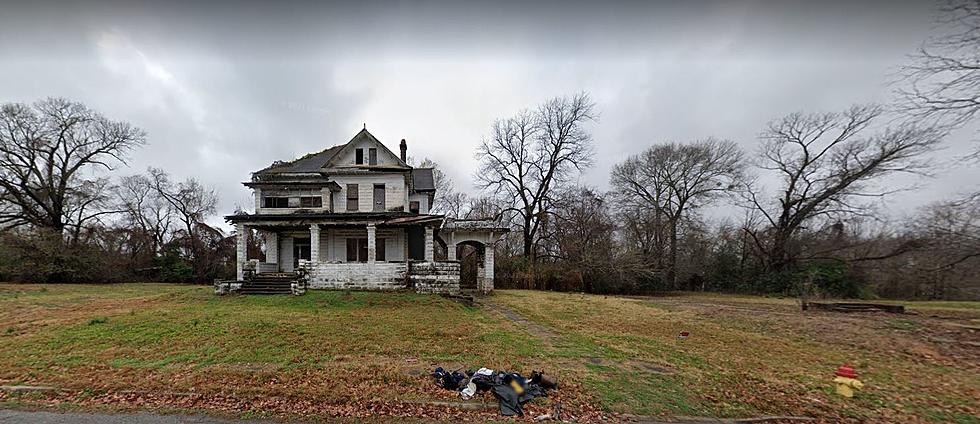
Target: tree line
803,212
65,218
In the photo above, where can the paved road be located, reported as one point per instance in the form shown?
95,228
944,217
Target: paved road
41,417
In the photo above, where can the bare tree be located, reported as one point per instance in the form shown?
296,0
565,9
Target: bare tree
944,79
145,209
674,179
827,162
447,201
191,201
528,155
46,153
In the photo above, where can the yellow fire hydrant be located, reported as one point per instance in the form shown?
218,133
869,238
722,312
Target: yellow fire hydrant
846,381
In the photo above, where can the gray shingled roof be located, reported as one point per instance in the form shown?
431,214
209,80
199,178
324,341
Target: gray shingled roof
309,163
422,179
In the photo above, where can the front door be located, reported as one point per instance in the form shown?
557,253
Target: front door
301,250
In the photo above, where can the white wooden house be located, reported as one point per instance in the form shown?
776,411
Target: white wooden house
354,216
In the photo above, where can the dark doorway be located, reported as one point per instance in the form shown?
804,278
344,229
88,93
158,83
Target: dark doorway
416,243
470,256
301,250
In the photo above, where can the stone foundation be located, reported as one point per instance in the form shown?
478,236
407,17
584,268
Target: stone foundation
435,277
423,277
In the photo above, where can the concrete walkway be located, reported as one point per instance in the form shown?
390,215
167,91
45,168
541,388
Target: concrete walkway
43,417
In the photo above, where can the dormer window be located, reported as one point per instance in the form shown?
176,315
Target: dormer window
359,157
372,156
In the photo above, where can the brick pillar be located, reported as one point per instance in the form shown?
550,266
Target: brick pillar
487,269
372,244
451,247
429,248
241,254
272,247
258,198
315,243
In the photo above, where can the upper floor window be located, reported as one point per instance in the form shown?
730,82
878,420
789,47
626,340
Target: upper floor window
413,206
310,202
352,197
372,156
275,202
359,157
292,202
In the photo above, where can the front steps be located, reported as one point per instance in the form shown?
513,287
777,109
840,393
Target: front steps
270,283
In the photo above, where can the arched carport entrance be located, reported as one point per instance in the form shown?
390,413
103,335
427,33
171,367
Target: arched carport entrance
471,242
471,255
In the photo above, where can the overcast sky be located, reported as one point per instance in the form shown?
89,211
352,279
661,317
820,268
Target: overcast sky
224,89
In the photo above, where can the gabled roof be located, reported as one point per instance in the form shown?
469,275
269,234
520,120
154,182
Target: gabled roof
315,162
362,136
310,163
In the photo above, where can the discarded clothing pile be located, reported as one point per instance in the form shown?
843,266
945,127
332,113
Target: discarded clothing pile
511,389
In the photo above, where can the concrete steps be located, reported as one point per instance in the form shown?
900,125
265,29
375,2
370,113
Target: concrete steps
271,283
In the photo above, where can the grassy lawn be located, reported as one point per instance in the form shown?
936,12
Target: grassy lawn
339,354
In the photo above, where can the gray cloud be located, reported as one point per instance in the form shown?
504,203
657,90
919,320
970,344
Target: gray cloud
224,88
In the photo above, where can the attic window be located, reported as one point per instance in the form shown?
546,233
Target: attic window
372,156
359,157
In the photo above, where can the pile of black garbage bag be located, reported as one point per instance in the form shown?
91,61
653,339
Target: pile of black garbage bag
510,388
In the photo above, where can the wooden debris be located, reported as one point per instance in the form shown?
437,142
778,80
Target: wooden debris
855,307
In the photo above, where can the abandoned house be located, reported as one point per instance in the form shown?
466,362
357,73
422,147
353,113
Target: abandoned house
356,216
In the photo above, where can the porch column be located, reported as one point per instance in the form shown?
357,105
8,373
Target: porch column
272,247
429,252
372,244
241,252
451,247
487,267
315,243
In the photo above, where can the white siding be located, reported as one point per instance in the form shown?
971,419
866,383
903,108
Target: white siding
423,202
349,157
286,253
333,247
395,192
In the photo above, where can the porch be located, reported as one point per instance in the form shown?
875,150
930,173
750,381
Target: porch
392,254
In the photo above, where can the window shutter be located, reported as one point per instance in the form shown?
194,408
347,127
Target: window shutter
352,197
372,156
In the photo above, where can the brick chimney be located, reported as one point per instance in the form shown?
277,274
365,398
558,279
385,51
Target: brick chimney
404,148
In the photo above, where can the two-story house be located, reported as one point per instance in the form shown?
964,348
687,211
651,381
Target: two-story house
356,216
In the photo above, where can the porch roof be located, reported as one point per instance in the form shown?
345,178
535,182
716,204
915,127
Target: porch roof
403,219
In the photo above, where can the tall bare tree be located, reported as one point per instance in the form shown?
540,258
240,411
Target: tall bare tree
673,180
145,209
191,201
943,80
447,201
528,155
827,163
47,151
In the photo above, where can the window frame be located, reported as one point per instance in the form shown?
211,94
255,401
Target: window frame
353,195
359,156
372,156
275,202
314,202
374,197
